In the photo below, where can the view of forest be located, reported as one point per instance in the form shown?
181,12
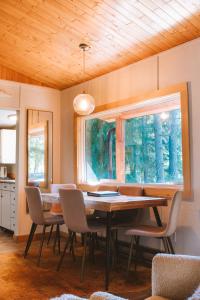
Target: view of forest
100,149
153,149
36,157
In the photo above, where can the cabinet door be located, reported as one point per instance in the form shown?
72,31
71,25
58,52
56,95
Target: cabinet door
5,209
7,146
12,211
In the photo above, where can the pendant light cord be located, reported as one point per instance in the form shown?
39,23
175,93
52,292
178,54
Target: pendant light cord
83,61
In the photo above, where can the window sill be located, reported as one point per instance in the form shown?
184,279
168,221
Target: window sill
179,187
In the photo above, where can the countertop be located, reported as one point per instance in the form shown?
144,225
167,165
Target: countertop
7,180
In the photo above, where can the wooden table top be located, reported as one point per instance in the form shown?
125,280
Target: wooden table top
113,203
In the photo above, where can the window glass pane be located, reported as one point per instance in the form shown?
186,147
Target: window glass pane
153,148
100,149
37,156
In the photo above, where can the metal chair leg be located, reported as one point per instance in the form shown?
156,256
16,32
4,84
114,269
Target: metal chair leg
64,251
130,254
41,245
137,240
30,238
72,246
84,256
50,234
170,245
58,238
165,244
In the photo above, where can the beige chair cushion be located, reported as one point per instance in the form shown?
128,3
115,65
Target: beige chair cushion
175,276
104,296
196,295
157,298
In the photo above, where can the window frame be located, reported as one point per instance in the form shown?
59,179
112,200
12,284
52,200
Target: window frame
79,136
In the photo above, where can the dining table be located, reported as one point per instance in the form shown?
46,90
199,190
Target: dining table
109,205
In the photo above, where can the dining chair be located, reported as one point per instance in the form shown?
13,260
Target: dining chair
39,217
74,213
56,207
163,232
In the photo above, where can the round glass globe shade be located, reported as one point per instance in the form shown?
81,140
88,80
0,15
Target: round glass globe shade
84,104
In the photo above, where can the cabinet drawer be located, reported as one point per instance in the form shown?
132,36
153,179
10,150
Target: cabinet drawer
8,186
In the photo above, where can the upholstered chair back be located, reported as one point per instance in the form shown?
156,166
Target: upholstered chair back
73,207
34,204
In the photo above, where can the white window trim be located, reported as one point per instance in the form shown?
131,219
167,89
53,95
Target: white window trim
81,169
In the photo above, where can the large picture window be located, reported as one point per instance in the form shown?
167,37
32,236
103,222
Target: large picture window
144,142
153,148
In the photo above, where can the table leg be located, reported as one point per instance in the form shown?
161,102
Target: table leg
108,237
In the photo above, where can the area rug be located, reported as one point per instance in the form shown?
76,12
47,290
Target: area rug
21,278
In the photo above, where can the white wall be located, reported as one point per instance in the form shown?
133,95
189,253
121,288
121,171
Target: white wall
176,65
28,96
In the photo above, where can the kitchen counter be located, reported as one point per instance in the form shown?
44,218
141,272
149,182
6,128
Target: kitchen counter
7,180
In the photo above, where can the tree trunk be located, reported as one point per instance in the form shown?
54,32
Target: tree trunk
158,148
173,167
144,148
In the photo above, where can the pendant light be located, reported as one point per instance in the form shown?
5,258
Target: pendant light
84,103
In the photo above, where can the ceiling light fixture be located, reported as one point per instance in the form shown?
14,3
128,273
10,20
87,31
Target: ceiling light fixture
84,103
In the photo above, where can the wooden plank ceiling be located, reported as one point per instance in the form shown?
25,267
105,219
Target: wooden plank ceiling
40,38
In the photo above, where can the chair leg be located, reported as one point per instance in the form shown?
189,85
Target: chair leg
64,251
137,243
130,254
170,245
30,238
41,244
165,244
84,256
50,234
58,226
72,245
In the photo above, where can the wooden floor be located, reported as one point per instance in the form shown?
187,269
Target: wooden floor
21,279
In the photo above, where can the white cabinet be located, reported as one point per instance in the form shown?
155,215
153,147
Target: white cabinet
7,146
7,206
5,209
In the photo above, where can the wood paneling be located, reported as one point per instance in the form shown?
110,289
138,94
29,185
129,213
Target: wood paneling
40,38
8,74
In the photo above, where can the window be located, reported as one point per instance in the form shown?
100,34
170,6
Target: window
100,145
37,147
144,142
153,148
